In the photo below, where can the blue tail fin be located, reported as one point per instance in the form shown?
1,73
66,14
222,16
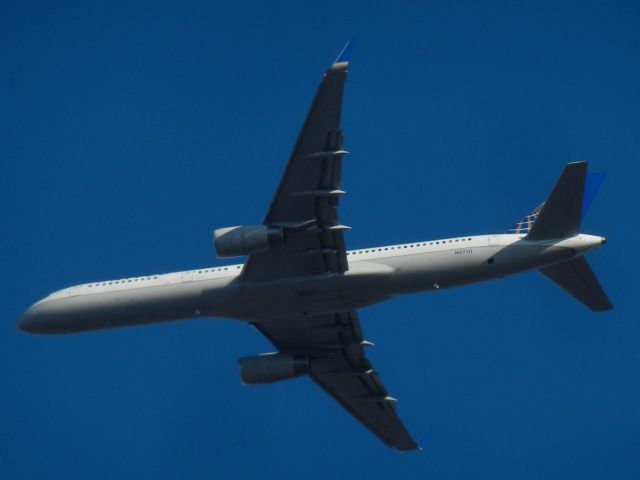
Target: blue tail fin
592,185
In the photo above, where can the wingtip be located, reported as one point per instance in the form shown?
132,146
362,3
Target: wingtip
345,53
423,440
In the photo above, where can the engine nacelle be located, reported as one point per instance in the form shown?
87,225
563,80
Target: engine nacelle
246,239
272,367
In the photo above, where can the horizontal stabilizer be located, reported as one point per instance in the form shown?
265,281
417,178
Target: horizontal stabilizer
561,212
577,279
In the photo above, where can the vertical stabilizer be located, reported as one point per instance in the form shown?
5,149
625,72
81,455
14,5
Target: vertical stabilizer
561,212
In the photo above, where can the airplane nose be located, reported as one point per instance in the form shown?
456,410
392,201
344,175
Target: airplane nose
27,321
33,320
603,240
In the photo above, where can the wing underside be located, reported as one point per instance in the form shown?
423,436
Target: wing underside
306,200
339,366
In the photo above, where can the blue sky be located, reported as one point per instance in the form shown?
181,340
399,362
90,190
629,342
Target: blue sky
129,131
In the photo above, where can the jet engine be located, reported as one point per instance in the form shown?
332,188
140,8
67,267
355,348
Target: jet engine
246,239
271,367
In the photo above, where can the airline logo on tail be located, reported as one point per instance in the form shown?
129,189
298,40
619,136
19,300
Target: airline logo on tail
592,184
525,225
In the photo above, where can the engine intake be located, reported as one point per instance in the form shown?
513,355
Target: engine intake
271,367
246,239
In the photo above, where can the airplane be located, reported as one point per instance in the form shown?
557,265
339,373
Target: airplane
301,288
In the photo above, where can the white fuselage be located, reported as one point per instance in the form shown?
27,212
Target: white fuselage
374,275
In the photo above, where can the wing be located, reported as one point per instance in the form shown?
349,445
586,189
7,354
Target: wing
306,200
337,364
